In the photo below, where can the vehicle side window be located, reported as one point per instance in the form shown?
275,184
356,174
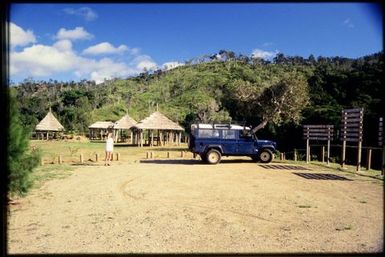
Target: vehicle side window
228,134
208,133
245,134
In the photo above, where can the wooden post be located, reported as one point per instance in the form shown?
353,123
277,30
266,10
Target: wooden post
343,154
328,153
281,156
182,154
343,160
323,154
383,160
307,151
96,157
359,156
295,155
152,138
284,156
147,155
369,159
59,159
81,158
168,154
180,138
117,156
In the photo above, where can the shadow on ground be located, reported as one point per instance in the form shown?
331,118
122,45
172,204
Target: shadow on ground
192,161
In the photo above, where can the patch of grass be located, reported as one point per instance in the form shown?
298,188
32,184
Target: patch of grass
50,171
304,206
70,151
346,227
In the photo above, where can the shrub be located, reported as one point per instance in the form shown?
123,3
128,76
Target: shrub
21,160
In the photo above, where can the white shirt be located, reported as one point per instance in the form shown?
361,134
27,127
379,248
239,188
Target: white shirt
109,144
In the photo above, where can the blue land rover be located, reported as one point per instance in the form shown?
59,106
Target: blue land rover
212,141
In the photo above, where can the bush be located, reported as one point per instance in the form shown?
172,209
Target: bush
21,160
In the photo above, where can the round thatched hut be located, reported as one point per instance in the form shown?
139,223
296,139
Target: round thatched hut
166,131
123,131
48,126
100,129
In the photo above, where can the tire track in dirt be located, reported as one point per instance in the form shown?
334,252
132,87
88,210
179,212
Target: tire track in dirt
127,195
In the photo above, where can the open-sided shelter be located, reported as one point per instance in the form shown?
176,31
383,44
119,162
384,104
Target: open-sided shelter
123,129
166,131
100,129
48,126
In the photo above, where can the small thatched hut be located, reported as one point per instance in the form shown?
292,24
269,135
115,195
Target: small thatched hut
49,125
122,128
167,131
100,129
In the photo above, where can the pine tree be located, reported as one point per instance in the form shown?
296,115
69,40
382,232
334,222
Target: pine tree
21,161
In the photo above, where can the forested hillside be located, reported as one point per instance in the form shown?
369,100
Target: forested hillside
281,94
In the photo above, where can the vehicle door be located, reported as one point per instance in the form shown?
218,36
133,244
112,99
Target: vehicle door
245,144
229,141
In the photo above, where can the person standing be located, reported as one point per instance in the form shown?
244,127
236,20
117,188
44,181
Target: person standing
109,149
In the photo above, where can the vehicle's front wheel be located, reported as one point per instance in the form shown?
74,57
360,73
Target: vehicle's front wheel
266,156
213,156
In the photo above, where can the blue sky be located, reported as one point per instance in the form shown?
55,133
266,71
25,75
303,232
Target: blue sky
97,41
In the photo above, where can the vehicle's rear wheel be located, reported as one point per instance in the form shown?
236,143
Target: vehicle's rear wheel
265,156
213,156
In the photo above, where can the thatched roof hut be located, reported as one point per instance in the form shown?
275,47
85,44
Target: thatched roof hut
167,130
122,127
157,121
100,129
48,124
126,122
102,125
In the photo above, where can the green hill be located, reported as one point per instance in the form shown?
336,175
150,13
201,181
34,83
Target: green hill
285,92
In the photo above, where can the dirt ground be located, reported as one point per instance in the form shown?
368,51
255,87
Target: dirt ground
183,206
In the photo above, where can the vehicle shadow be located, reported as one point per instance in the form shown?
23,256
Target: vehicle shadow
191,161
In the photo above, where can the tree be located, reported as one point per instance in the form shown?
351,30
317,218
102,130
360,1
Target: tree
21,161
283,101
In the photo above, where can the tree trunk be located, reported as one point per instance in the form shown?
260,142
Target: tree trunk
260,126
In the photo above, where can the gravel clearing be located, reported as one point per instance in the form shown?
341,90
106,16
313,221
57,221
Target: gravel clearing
183,206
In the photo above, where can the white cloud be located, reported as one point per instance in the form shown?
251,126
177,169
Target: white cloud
85,12
63,45
20,37
107,69
144,62
258,53
267,44
347,22
105,48
42,60
76,34
171,65
60,59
